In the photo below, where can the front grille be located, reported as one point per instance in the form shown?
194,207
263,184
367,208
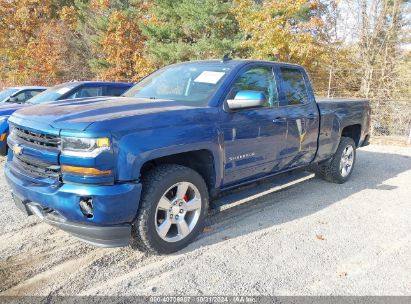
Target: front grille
36,138
36,168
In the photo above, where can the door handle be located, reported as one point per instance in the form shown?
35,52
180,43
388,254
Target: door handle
311,116
279,119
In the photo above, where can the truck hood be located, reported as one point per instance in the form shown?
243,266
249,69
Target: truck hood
7,109
107,113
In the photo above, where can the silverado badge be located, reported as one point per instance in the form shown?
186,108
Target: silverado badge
17,149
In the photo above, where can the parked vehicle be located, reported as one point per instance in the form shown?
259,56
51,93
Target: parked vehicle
68,90
141,169
20,94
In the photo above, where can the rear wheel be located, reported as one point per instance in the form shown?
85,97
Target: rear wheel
172,210
340,167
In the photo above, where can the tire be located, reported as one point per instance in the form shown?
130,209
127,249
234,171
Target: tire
4,148
156,228
331,170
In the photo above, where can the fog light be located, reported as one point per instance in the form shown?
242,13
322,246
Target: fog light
86,206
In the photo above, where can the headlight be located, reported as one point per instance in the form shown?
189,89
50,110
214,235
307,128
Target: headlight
84,146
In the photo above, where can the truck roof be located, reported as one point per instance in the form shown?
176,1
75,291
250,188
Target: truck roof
27,87
99,82
236,62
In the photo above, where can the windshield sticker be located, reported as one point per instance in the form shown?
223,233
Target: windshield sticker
209,77
63,90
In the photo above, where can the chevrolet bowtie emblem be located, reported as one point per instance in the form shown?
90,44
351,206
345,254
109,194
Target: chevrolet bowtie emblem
18,150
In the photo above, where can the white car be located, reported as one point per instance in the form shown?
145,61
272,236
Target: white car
20,94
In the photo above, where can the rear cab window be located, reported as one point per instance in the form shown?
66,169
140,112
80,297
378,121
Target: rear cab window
293,86
115,90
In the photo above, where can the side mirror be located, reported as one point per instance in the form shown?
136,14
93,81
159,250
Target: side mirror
247,99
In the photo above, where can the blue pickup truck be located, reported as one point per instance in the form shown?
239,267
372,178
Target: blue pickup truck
141,169
28,96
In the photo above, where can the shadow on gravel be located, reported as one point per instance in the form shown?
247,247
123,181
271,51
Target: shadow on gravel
297,201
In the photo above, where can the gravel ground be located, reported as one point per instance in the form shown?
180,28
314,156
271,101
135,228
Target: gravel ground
312,238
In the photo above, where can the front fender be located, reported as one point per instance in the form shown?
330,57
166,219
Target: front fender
135,149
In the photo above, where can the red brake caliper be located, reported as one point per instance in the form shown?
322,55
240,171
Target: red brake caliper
185,198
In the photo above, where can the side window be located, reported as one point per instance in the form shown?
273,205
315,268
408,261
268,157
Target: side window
115,91
21,97
294,86
260,79
86,92
30,94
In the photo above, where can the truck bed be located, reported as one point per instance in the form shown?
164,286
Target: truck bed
336,114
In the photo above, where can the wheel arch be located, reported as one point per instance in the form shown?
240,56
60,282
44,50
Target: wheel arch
202,161
353,132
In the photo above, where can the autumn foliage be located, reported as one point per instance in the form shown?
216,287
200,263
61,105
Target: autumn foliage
289,31
126,62
52,41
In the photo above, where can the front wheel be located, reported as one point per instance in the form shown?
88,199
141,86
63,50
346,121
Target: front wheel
340,167
173,207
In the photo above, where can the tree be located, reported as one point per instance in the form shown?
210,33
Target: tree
115,39
291,31
39,42
19,22
379,45
381,35
190,29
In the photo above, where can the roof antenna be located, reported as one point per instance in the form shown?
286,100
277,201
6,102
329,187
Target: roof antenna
226,58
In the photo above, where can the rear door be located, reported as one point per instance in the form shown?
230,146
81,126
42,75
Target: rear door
302,116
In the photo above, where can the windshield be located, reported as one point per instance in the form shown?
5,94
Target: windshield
53,93
193,84
7,93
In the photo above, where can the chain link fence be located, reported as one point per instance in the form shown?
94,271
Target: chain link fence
390,116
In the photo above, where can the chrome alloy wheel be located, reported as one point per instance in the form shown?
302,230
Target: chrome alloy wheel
347,161
178,212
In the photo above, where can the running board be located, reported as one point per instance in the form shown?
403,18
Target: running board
258,189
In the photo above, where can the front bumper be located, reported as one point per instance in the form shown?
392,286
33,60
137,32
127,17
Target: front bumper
102,236
114,207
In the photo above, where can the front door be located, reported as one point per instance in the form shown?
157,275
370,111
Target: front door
254,138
